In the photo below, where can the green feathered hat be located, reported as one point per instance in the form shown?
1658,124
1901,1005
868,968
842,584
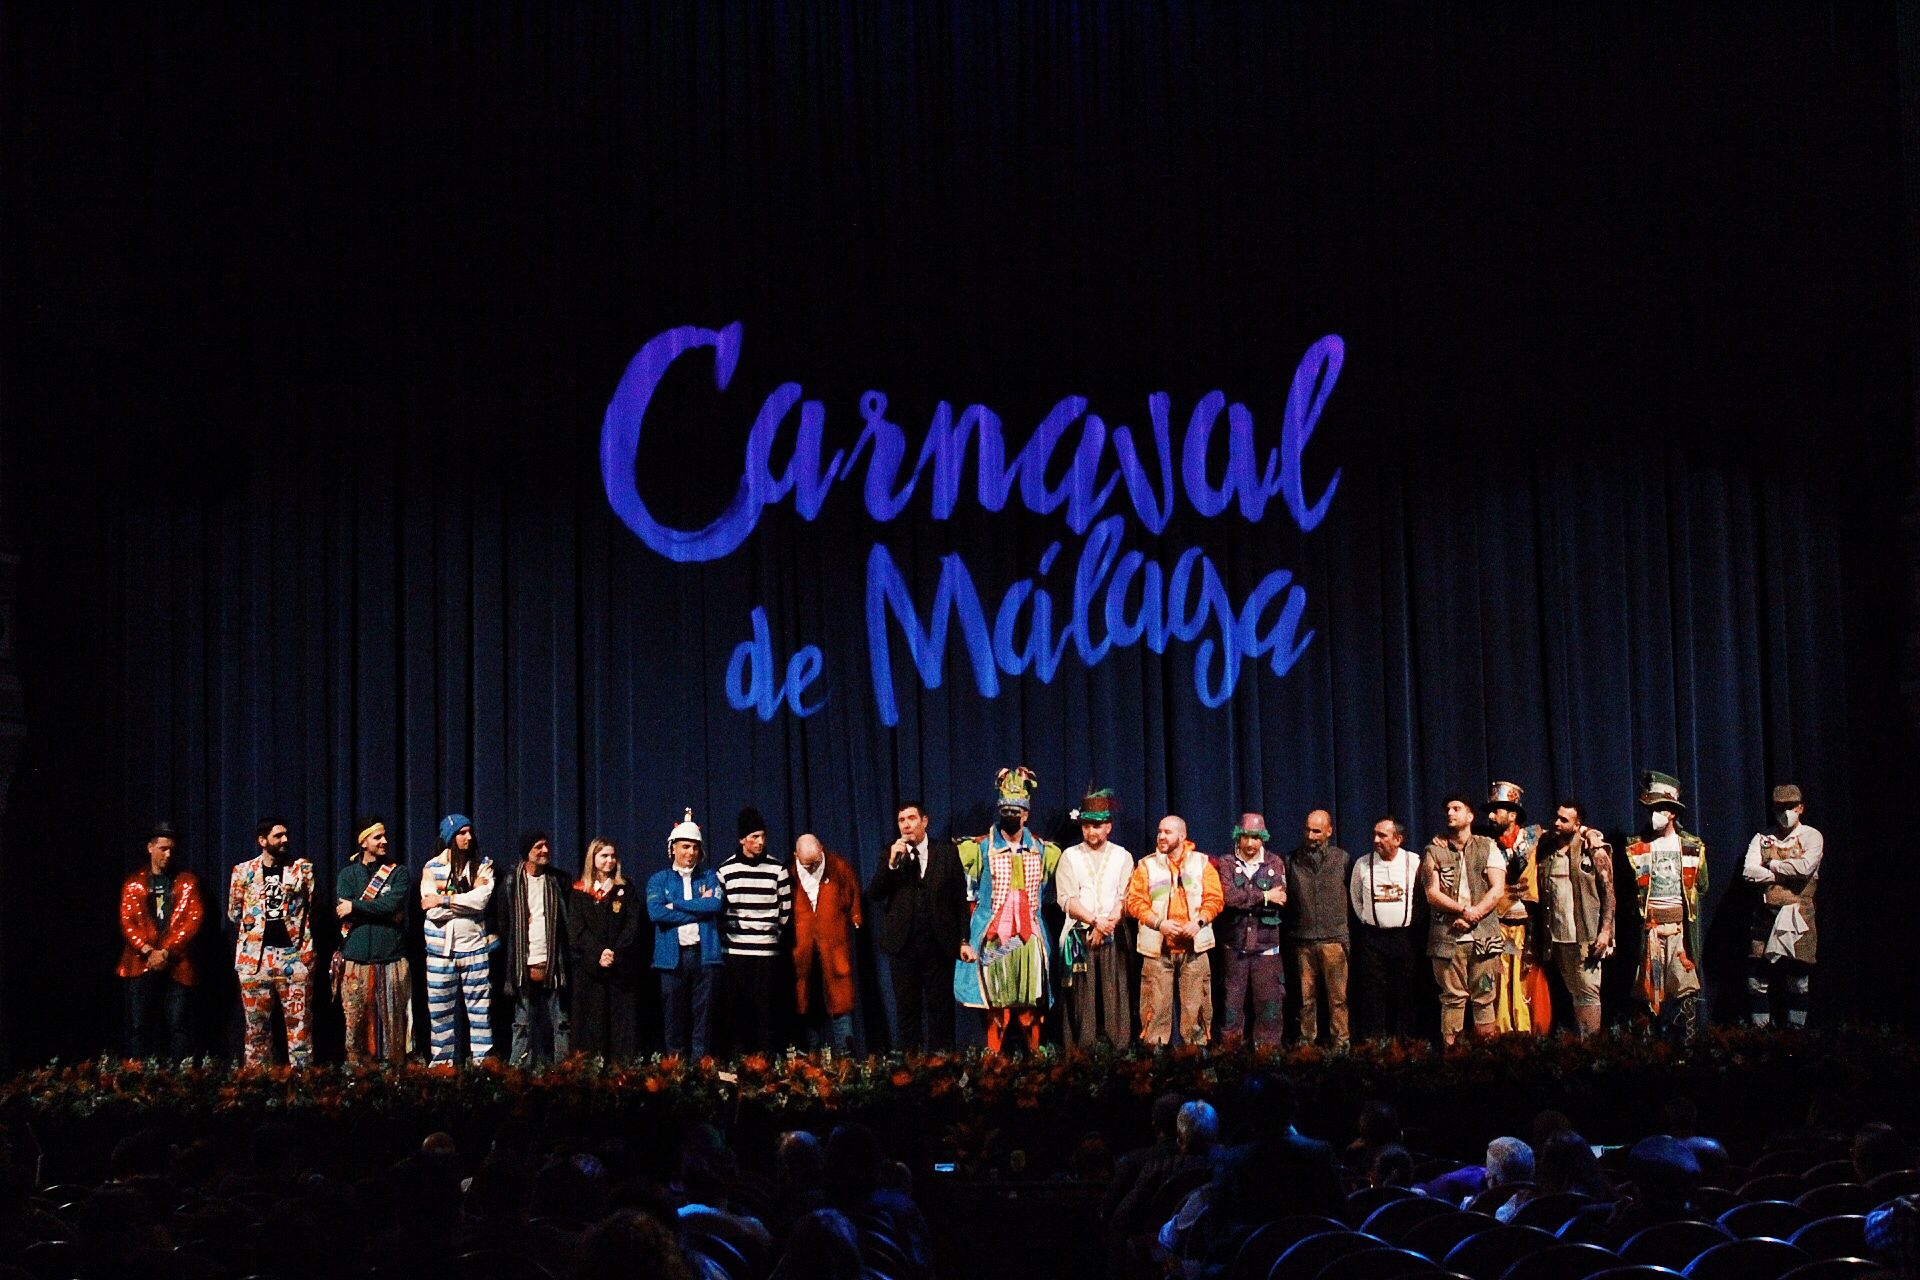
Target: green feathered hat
1099,806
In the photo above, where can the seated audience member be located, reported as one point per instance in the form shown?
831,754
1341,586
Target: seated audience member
1150,1164
710,1208
569,1194
493,1213
1270,1172
824,1246
1392,1167
1545,1125
1877,1149
1509,1164
1663,1174
630,1243
1196,1131
1567,1163
1091,1163
1682,1117
800,1167
118,1233
1378,1128
1711,1157
855,1183
1893,1235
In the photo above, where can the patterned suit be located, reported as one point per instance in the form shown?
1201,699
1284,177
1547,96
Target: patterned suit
259,902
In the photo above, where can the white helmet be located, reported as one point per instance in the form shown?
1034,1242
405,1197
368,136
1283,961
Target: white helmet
687,829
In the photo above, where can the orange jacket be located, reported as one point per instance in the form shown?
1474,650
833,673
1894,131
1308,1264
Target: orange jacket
139,928
825,933
1143,907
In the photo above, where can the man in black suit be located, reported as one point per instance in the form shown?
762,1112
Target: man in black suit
922,892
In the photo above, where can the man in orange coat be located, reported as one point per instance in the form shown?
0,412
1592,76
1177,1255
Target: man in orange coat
826,911
159,914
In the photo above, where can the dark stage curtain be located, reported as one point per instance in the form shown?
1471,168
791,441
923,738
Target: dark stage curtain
319,314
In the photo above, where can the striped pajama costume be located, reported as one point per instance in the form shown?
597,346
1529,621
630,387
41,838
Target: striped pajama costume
459,960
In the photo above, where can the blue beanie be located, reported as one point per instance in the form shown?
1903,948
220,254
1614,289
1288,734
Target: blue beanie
450,827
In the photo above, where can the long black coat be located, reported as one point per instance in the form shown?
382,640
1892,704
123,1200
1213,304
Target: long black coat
611,924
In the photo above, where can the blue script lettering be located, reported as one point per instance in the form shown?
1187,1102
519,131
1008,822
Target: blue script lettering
1194,605
750,683
1250,479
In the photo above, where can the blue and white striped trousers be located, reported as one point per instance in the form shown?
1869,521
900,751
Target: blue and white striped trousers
451,981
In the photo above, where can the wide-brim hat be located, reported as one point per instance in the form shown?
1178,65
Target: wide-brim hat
1099,806
686,829
1786,795
1659,788
1506,795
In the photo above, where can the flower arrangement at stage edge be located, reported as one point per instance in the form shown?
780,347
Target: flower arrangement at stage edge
949,1088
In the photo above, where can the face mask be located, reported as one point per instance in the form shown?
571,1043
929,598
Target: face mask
1009,823
1789,819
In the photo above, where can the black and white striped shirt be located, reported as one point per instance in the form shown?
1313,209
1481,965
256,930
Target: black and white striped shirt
759,896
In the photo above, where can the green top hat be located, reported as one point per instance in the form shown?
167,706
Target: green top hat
1099,806
1659,788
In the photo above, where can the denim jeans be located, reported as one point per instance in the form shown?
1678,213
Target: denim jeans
686,997
156,1004
541,1030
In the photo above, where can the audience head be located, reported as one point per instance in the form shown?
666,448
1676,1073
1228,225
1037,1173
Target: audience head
799,1159
499,1191
1545,1125
630,1243
569,1187
1509,1160
1198,1128
1166,1115
1877,1149
1379,1124
1566,1163
1711,1157
1663,1171
823,1246
1681,1116
1091,1161
853,1164
142,1154
1263,1108
1392,1167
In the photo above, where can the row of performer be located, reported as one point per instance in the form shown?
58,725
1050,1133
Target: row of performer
1493,902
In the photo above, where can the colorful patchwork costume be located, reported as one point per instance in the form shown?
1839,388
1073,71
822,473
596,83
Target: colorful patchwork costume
271,908
1670,872
1007,879
1524,1002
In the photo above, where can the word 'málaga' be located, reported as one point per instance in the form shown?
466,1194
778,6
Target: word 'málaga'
1185,603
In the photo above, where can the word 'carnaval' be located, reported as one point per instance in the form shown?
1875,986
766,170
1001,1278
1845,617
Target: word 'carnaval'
1118,598
1248,478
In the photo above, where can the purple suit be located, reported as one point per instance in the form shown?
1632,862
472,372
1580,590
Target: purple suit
1249,934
